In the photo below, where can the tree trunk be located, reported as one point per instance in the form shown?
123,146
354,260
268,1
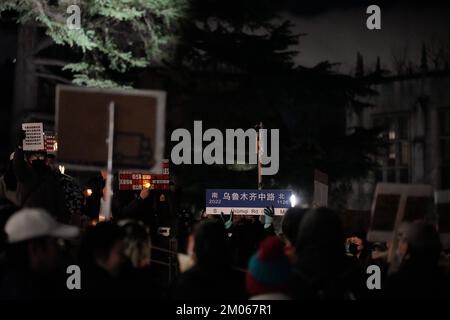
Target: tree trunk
25,83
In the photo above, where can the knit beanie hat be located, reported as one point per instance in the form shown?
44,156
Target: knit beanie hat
268,269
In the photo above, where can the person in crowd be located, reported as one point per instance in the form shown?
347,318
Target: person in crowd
142,278
355,245
268,272
102,259
37,185
73,195
131,206
323,271
33,267
419,275
124,205
211,277
163,229
185,222
137,242
245,233
8,183
93,194
164,213
289,227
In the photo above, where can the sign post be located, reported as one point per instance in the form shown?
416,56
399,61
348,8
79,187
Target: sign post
259,152
106,209
320,189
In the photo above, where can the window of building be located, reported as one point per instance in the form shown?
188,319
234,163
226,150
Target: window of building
396,162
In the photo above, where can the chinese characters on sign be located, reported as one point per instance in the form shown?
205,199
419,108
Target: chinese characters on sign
34,136
246,201
137,181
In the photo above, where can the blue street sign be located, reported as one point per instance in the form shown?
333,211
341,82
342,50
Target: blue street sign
247,201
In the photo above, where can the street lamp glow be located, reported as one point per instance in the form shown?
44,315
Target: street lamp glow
293,200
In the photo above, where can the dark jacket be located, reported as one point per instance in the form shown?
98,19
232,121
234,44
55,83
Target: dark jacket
417,281
245,239
98,284
214,284
323,271
16,284
344,280
39,190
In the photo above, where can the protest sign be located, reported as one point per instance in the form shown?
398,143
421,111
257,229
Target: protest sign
134,180
50,143
34,136
82,122
394,203
247,201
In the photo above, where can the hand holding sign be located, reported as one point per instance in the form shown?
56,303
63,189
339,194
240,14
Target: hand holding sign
145,192
227,222
269,213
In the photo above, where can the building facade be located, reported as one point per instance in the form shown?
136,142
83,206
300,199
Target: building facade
415,115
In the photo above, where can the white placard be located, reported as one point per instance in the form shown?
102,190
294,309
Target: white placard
34,136
397,206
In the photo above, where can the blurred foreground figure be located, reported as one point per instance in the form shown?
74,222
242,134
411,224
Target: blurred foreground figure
211,278
323,271
33,268
419,276
102,259
291,222
142,279
269,271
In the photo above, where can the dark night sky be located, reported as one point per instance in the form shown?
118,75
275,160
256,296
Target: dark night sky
337,31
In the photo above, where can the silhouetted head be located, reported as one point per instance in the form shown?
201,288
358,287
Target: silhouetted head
137,241
420,243
210,244
104,246
320,244
290,225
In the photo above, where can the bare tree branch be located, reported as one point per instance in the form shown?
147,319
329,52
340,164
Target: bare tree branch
400,59
50,62
47,42
53,77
